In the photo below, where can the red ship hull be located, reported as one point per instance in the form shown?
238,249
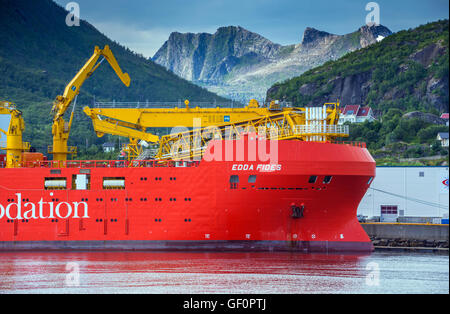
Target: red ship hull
198,207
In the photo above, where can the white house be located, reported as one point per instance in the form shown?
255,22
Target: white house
443,138
356,114
109,147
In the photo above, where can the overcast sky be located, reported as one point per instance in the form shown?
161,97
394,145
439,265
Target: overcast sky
144,25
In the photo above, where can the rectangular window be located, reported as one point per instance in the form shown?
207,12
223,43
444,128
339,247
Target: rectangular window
389,209
252,178
327,179
312,179
114,183
81,182
55,183
421,174
234,181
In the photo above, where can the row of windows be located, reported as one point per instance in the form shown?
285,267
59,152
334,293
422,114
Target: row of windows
326,179
252,179
12,220
101,220
26,220
82,182
278,188
128,199
234,180
185,220
96,220
159,179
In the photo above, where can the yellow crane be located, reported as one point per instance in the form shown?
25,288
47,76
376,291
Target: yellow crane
134,122
158,117
14,145
317,124
61,128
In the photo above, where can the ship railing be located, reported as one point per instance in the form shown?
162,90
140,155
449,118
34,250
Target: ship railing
322,129
351,143
107,164
179,104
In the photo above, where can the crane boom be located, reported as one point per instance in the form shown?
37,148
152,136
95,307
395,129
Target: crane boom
304,124
296,123
157,117
60,128
133,122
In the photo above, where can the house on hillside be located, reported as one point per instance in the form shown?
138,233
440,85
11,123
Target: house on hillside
443,138
108,147
356,114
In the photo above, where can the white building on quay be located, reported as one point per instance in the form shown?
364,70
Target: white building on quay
407,194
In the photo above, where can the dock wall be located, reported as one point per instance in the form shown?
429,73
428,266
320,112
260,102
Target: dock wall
420,232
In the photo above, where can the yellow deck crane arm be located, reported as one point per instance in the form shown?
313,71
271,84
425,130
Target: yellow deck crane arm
279,125
133,122
170,117
105,125
14,145
60,128
134,132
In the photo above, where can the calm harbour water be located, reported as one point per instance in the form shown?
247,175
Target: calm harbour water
174,272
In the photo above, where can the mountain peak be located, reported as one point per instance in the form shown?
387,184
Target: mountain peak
231,27
373,33
235,30
375,30
311,35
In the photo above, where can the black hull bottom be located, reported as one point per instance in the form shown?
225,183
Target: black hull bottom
144,245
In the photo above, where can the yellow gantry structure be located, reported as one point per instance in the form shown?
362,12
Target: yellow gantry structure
60,128
14,145
134,122
296,124
203,124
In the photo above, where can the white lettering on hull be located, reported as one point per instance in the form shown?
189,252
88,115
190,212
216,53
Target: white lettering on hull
260,167
31,210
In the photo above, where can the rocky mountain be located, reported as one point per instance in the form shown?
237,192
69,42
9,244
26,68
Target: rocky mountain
240,64
408,70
